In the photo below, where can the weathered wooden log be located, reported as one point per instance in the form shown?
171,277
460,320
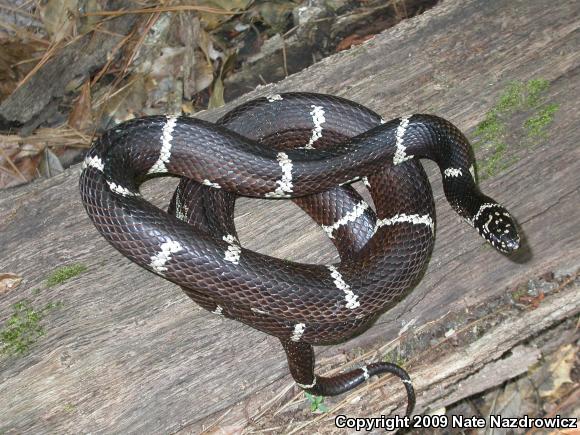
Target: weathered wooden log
128,352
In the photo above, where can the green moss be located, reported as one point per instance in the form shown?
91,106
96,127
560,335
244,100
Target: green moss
316,403
64,274
23,328
512,98
535,89
490,134
488,130
537,124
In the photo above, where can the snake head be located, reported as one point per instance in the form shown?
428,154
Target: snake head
497,226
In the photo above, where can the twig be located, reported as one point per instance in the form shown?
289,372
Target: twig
284,57
11,163
18,11
162,9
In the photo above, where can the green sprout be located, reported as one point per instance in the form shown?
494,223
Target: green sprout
317,405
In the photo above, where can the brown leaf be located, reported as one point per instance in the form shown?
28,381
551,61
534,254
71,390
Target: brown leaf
81,115
275,13
9,281
49,164
16,60
58,17
531,301
225,430
18,160
211,21
560,370
352,40
217,94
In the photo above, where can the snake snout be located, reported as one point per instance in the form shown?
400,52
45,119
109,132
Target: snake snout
496,225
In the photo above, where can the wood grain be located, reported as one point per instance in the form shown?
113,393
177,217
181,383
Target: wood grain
128,353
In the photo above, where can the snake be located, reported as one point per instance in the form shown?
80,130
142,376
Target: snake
308,148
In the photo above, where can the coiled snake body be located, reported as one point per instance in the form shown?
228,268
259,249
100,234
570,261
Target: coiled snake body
307,147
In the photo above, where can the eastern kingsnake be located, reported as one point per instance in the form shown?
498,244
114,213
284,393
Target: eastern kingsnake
308,147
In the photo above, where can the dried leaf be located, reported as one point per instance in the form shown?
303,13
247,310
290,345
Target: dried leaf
81,115
16,60
203,74
9,281
560,370
58,17
211,21
225,430
217,94
18,160
276,13
127,102
351,41
50,165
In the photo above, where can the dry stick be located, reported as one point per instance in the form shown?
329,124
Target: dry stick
45,58
215,423
19,11
21,31
284,58
11,163
272,401
9,173
22,62
116,48
162,9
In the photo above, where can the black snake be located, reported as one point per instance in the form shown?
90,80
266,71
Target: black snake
308,147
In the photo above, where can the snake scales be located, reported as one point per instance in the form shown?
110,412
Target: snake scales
307,147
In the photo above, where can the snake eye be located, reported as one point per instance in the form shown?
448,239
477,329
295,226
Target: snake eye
497,227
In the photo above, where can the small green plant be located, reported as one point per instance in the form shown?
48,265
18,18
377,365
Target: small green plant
317,405
491,133
65,273
23,328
